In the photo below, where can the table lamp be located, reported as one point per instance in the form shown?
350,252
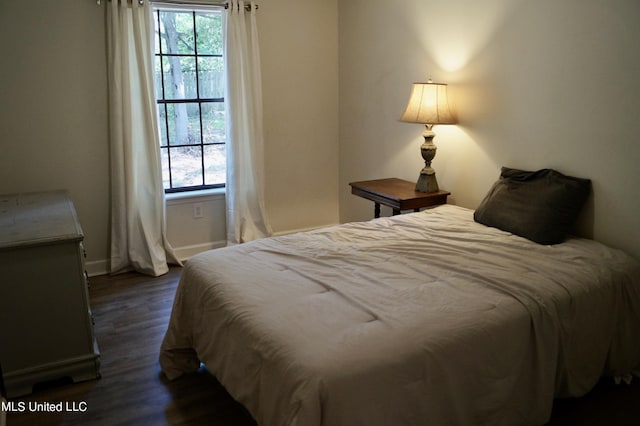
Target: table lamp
428,105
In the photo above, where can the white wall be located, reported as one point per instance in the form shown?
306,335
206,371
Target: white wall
537,84
53,107
53,117
299,47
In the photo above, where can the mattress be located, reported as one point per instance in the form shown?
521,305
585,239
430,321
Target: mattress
417,319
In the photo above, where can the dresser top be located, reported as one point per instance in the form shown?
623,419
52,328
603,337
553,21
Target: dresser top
38,218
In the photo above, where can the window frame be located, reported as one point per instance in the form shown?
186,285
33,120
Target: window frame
163,102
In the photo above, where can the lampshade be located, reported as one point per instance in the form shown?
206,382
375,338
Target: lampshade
428,104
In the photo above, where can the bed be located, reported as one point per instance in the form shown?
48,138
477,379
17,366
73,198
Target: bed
428,318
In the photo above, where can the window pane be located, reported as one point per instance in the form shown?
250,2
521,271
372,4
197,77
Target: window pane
213,123
211,77
156,34
162,124
189,73
164,158
193,113
215,163
184,123
158,77
209,30
186,166
177,32
179,77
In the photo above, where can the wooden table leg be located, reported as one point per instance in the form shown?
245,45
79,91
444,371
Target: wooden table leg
376,210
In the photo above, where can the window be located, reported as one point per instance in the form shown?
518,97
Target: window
189,72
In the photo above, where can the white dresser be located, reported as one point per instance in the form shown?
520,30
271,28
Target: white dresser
46,329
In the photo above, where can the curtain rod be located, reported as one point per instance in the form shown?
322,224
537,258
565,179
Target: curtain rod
247,7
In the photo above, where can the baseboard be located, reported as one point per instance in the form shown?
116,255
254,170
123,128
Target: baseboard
96,267
99,267
185,252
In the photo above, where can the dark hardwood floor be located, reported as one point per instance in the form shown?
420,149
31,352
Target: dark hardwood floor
131,314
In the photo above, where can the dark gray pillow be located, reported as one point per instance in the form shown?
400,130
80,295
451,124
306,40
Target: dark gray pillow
541,206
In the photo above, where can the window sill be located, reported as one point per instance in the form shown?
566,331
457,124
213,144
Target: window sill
191,196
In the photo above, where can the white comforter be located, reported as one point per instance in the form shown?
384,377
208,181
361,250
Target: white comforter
420,319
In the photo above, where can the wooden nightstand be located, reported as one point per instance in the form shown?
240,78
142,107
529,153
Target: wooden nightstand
396,193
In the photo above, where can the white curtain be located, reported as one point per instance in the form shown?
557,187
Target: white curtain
246,217
138,230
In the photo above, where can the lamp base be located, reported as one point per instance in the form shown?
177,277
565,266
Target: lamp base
427,181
